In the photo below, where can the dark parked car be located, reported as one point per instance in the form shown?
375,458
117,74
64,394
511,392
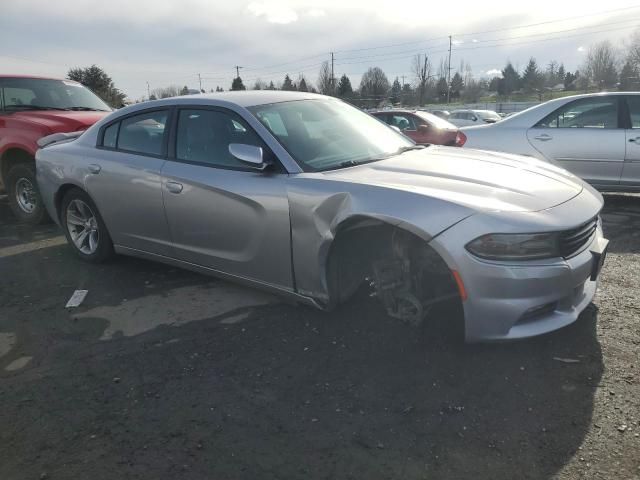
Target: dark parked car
422,127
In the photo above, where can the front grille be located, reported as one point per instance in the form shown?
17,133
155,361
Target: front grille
572,241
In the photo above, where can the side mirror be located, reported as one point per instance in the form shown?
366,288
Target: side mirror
250,155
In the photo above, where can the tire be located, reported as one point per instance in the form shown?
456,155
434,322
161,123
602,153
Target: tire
84,228
24,196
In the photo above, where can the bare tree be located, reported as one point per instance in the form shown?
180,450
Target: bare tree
374,86
325,83
421,69
259,84
166,92
633,49
600,65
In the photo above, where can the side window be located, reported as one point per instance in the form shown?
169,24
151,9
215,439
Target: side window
110,137
204,136
403,122
143,133
634,110
597,112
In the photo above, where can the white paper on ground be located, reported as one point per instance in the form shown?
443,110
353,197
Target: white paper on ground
77,298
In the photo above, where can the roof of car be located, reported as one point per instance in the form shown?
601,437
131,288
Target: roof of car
8,75
246,98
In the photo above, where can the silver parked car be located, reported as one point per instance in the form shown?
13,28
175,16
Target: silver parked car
307,196
595,136
467,118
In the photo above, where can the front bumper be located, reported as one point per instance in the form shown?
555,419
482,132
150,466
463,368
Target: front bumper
513,300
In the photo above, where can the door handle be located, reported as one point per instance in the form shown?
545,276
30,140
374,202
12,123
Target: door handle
544,137
93,168
174,187
635,140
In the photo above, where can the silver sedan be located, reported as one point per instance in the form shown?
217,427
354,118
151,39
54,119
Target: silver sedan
307,196
595,136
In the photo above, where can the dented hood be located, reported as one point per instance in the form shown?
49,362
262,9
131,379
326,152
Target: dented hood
61,121
476,179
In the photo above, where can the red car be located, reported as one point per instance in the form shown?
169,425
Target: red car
31,108
422,127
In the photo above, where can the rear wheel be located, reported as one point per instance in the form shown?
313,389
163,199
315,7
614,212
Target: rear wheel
24,196
83,226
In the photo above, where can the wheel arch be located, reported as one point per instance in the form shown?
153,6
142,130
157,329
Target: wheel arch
11,156
61,192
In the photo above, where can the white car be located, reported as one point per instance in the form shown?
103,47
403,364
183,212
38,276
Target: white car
595,136
467,118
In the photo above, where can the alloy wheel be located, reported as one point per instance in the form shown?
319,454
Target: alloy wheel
82,226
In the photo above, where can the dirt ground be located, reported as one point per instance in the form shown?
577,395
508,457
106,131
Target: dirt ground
166,374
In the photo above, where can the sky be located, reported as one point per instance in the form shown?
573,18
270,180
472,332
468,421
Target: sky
171,42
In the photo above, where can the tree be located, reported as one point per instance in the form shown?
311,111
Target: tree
259,84
97,80
510,80
600,65
344,87
184,91
288,84
457,84
569,80
219,89
302,84
374,86
237,84
152,97
532,80
325,82
408,95
561,73
493,84
271,86
629,77
421,70
396,92
166,92
442,89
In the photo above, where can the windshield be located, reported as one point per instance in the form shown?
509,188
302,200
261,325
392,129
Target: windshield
436,121
45,94
328,134
488,115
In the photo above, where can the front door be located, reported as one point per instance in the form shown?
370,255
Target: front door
222,214
631,171
584,137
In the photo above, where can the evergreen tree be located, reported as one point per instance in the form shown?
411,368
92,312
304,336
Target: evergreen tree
396,90
237,84
561,73
532,80
569,80
457,85
442,89
97,80
184,91
302,85
271,86
288,84
510,80
344,87
629,78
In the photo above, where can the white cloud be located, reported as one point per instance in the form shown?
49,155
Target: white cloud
494,72
316,12
274,12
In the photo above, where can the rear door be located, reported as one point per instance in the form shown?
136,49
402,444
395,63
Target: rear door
125,183
584,136
631,171
222,214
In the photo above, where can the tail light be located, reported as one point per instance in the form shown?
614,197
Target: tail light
461,138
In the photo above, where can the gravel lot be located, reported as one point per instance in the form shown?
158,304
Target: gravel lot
165,374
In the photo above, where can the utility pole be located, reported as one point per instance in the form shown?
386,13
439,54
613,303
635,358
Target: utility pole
200,82
333,80
449,74
148,92
238,67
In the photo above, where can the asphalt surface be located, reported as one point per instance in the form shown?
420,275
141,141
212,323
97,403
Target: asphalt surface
166,374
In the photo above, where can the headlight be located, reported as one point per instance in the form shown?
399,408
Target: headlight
515,246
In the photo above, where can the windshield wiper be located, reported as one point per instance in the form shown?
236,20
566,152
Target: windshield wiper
32,107
86,109
409,148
